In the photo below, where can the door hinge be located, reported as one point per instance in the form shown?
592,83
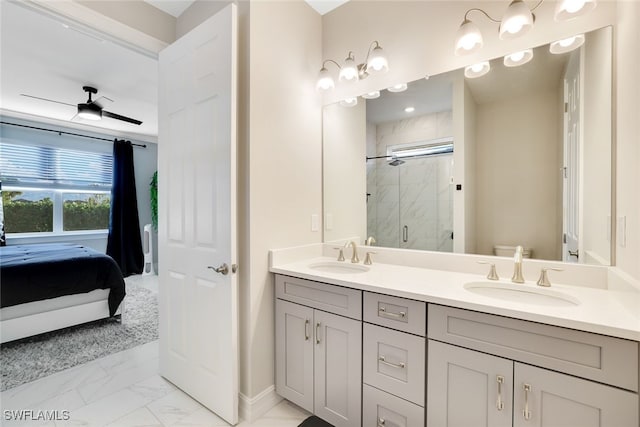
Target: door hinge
566,107
564,238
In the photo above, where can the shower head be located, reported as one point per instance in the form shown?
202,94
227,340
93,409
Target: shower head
396,162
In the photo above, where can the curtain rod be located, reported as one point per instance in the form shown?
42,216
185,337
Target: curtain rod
60,132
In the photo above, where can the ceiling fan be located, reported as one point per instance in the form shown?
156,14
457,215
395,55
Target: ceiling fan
91,110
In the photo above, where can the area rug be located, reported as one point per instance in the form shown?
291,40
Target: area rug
28,359
314,421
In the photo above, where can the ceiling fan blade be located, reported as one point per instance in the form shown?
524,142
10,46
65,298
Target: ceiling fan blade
45,99
119,117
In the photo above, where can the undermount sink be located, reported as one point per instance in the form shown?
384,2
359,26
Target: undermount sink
522,293
338,267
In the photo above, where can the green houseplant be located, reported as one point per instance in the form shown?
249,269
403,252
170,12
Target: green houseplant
153,194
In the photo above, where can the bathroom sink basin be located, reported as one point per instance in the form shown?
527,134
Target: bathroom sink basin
338,267
522,293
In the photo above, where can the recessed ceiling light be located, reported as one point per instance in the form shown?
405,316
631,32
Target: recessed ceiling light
400,87
409,110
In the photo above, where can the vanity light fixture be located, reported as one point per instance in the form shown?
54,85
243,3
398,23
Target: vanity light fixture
566,45
372,95
477,70
517,20
409,109
518,58
349,102
400,87
350,71
569,9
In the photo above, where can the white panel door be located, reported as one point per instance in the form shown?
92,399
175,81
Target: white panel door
571,170
545,398
467,388
294,353
197,214
338,369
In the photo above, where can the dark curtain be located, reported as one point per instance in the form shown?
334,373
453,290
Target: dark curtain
124,244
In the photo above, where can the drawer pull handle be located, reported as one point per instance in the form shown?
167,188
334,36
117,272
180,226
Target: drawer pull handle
306,329
400,365
500,403
381,422
526,413
318,333
382,311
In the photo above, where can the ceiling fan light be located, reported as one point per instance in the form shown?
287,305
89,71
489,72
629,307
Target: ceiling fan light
516,21
569,9
378,61
518,58
468,38
349,70
89,112
566,45
325,81
477,70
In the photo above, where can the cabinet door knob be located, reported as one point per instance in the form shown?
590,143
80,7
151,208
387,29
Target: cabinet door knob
381,422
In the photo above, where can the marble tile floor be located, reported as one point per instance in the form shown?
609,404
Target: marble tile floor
124,390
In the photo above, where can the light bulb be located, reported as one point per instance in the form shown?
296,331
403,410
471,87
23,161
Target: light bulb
372,95
567,42
325,81
468,38
349,70
400,87
517,20
378,60
518,58
477,70
566,45
572,6
409,109
349,102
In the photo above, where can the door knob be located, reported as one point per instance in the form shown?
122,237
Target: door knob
223,269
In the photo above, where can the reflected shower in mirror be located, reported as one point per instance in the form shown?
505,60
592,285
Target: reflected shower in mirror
517,156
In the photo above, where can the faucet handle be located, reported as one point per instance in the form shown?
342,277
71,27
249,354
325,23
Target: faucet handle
493,275
543,280
367,258
340,254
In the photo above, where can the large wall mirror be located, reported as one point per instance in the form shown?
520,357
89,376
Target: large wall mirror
518,156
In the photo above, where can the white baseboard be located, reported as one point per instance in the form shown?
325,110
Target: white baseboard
252,408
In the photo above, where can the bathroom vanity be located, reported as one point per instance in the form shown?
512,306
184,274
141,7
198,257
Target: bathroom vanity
390,345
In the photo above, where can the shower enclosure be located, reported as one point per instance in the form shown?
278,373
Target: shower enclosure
410,196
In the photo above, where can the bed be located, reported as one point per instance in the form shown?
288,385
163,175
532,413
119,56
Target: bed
44,287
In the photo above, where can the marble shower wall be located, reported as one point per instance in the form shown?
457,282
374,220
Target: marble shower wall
417,194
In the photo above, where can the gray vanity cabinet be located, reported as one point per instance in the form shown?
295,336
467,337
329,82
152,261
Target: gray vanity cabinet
467,386
319,353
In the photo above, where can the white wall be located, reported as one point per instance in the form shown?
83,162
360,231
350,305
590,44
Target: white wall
518,139
596,148
627,64
345,205
285,167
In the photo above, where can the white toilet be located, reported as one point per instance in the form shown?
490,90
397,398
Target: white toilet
509,251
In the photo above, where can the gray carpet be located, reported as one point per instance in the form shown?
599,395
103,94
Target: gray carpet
35,357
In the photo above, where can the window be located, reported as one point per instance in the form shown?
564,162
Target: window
54,190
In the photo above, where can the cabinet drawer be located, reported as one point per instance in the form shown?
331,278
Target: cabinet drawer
380,409
395,362
397,313
597,357
334,299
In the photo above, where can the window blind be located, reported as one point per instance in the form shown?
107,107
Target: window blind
54,167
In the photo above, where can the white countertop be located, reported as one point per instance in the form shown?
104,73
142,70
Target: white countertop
602,311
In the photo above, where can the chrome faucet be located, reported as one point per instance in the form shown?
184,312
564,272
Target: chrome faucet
517,266
354,255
